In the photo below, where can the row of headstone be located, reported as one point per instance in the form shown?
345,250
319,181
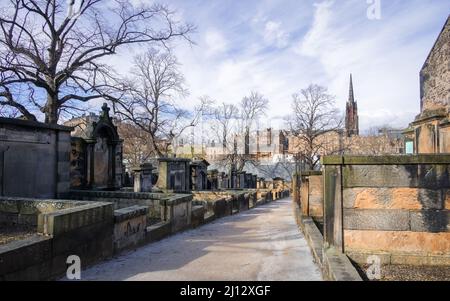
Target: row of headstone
96,163
237,180
184,175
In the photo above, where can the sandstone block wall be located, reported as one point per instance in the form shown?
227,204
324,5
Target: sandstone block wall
396,208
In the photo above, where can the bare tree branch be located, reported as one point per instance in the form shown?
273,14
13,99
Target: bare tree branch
314,116
58,47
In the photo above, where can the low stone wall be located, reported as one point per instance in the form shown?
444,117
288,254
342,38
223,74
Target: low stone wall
129,227
218,204
263,196
171,207
335,265
397,206
22,211
63,228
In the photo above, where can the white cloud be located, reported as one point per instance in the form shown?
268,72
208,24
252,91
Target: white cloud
275,35
318,37
321,43
215,42
382,55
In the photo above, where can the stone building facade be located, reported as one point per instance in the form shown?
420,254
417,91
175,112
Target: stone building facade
430,132
338,143
435,74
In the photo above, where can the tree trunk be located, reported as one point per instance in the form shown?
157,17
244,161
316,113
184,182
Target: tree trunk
51,109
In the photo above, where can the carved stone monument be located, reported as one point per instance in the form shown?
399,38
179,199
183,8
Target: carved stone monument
173,174
96,155
199,174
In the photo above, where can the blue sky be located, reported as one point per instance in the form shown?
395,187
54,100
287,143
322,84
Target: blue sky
279,47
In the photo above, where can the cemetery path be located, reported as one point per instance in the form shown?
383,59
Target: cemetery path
263,243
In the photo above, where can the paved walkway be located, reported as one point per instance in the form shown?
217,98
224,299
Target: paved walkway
261,244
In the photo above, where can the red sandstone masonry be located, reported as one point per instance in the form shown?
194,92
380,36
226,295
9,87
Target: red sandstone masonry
398,241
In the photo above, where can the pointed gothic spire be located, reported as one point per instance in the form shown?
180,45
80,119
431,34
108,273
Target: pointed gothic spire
351,95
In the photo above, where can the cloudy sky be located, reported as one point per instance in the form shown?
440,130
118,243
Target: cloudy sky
277,47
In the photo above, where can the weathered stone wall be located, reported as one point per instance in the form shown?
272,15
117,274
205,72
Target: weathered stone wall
34,159
223,203
121,200
396,205
430,132
18,211
444,139
435,74
129,227
161,207
311,195
65,228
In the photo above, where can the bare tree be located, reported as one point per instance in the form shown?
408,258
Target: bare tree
224,115
252,107
136,146
149,102
314,116
55,49
233,126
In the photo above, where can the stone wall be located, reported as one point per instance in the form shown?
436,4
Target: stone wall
430,131
165,207
396,206
311,194
34,159
64,228
129,227
435,74
218,204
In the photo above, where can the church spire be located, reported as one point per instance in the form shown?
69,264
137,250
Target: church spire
351,116
351,95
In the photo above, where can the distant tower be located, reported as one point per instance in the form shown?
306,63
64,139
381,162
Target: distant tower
351,115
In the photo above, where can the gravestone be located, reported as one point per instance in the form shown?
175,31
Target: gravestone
199,174
213,179
174,174
241,177
143,175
